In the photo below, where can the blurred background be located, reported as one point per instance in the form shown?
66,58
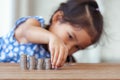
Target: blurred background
107,51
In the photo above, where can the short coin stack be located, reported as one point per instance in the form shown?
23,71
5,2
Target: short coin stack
40,64
47,64
31,63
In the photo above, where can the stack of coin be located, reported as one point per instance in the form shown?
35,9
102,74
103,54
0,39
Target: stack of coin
47,64
40,64
32,63
23,62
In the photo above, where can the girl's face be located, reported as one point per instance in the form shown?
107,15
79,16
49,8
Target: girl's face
74,38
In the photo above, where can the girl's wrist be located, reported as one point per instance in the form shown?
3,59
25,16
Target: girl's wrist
51,36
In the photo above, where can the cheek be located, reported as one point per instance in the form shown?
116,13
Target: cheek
64,38
72,51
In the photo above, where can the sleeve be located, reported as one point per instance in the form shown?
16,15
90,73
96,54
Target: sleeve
10,35
23,19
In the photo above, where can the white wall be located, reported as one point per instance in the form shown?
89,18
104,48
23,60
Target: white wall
111,50
43,8
5,16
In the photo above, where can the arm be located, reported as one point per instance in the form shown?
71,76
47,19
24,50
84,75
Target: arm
30,31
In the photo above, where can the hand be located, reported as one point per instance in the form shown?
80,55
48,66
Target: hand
58,50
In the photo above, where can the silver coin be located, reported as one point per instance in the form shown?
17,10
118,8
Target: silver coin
32,63
47,60
47,64
40,64
23,62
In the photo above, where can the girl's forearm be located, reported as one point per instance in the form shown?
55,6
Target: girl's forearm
30,31
37,35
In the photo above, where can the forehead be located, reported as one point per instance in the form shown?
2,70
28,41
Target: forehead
83,38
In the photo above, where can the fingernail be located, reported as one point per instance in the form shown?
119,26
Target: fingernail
53,67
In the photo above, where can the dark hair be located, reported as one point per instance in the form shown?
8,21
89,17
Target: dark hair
85,14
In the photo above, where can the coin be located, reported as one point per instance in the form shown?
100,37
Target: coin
40,64
23,62
47,64
32,63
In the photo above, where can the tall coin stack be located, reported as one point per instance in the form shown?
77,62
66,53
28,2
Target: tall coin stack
23,62
47,64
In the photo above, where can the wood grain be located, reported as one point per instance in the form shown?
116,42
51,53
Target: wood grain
73,71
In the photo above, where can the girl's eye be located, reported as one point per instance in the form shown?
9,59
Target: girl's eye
77,47
70,36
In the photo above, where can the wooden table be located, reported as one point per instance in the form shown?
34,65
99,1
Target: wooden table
81,71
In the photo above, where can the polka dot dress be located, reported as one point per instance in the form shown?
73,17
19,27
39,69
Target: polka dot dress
10,49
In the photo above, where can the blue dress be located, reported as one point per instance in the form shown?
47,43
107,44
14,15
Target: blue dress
10,49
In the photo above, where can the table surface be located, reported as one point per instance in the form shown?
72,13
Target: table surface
73,71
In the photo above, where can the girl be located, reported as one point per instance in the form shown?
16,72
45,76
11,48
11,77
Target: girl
75,25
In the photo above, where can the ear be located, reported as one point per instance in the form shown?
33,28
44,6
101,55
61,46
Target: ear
57,16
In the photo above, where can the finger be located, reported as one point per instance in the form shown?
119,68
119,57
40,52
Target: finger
52,50
60,57
64,58
55,56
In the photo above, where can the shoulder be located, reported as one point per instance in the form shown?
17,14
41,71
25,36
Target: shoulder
30,19
33,21
25,25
